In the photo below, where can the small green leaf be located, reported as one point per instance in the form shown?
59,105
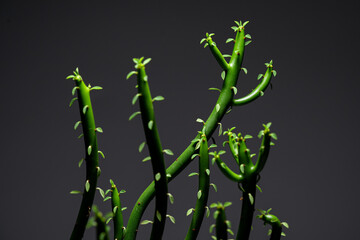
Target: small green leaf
158,98
130,74
123,209
207,211
229,40
168,152
72,101
98,171
75,192
248,36
242,168
172,219
87,185
251,198
99,129
227,204
147,61
223,75
285,224
189,211
245,23
247,42
70,76
207,172
133,115
213,205
260,76
107,191
259,188
245,70
202,40
74,90
108,220
158,216
199,194
85,108
261,93
212,228
76,124
234,90
141,146
217,107
89,149
135,98
274,73
171,198
274,136
111,182
96,88
157,176
122,191
150,124
80,136
144,222
107,198
200,120
269,232
146,159
101,192
268,125
248,136
214,186
229,231
220,130
102,154
115,209
135,60
283,234
194,156
215,89
226,55
234,28
80,162
193,174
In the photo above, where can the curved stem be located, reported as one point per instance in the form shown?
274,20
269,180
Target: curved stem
227,171
117,213
203,192
224,102
217,54
156,154
258,91
92,157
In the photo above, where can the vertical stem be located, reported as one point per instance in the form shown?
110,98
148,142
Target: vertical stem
117,216
221,226
247,209
276,232
156,154
92,158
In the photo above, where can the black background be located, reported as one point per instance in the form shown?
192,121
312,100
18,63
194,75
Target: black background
311,179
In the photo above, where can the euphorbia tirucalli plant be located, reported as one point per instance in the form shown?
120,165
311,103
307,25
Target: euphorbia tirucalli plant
246,176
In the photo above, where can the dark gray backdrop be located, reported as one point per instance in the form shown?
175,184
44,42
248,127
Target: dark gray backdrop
311,179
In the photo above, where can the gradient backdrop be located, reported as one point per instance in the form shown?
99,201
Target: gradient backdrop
311,180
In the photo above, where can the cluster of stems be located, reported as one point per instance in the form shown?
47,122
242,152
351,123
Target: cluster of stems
246,177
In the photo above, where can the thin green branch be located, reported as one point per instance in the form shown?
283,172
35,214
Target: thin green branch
91,153
258,91
227,171
203,190
155,150
215,51
117,213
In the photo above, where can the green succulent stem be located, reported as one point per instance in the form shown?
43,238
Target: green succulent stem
247,208
263,152
91,159
227,171
276,232
221,226
224,101
233,146
217,54
117,214
274,222
258,91
156,153
203,191
102,231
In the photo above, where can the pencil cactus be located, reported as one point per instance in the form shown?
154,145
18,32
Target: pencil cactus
247,176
